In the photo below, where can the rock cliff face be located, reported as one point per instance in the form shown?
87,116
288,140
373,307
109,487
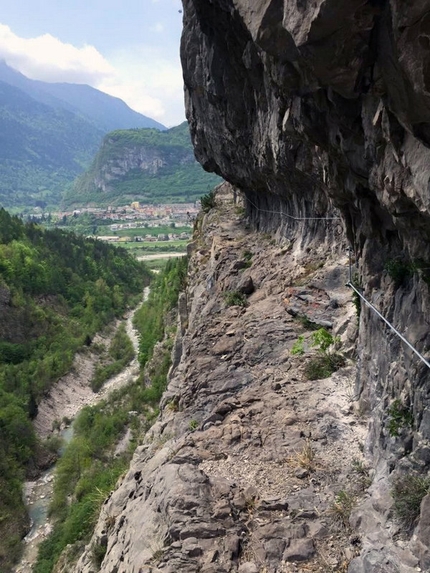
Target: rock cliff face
321,108
144,165
319,113
242,470
131,157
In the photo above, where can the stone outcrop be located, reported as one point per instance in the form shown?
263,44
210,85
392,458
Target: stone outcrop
143,165
251,466
141,158
321,110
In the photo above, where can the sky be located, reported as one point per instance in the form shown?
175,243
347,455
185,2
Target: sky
128,49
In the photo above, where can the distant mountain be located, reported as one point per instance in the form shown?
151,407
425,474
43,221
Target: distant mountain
41,149
106,112
49,133
143,165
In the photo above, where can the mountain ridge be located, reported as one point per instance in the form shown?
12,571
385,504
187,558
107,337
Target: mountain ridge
49,134
143,165
106,111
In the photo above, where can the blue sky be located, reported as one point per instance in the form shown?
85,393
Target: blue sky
129,49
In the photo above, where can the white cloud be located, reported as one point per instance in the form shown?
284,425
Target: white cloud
47,58
146,80
149,83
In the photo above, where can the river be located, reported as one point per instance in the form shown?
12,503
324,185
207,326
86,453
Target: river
160,256
38,494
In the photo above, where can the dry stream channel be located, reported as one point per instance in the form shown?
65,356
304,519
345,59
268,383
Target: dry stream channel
38,494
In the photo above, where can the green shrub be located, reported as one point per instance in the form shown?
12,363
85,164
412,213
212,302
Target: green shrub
247,257
298,347
323,340
98,552
399,270
53,443
400,417
408,492
208,201
235,298
323,366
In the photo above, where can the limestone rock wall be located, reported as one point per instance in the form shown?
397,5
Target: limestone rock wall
240,472
139,158
321,109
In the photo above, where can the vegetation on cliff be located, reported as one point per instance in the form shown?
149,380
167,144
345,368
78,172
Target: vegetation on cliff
56,291
91,465
143,165
150,319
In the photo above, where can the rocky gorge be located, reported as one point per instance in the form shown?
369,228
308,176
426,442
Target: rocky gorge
317,113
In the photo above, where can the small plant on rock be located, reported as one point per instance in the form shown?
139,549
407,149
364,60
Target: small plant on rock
408,492
400,417
298,348
235,298
247,255
362,472
323,340
305,458
342,507
327,362
208,201
193,425
173,405
98,552
399,270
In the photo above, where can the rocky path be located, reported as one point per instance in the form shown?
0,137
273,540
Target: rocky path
252,467
70,395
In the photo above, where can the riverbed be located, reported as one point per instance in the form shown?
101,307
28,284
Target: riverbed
160,256
38,494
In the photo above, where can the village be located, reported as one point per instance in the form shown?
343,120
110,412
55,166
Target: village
129,223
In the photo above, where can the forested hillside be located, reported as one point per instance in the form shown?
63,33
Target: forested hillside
56,291
143,165
97,430
49,133
41,149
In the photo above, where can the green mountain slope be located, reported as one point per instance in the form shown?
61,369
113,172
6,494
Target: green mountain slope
104,111
143,165
41,149
49,134
56,290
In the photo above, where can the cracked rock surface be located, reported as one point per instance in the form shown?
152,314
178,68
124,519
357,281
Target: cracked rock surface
321,110
251,467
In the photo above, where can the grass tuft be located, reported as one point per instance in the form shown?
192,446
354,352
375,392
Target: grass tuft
408,492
